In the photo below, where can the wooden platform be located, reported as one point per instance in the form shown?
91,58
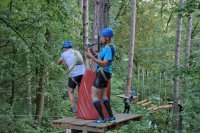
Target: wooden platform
88,125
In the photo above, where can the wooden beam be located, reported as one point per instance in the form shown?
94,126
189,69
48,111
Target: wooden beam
123,96
143,101
147,103
160,107
152,107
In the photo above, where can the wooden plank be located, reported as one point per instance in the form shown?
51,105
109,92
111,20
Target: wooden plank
88,125
80,122
147,103
60,120
152,107
119,118
161,107
143,101
123,96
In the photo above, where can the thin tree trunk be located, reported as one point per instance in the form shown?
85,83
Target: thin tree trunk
101,20
188,42
86,27
40,95
81,4
29,90
176,76
131,52
43,80
12,98
187,56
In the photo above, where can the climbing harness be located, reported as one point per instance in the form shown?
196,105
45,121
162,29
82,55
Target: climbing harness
101,68
77,61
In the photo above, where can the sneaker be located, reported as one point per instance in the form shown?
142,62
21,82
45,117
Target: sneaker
99,121
73,109
111,119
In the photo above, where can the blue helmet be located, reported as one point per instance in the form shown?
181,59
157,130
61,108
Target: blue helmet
107,32
67,44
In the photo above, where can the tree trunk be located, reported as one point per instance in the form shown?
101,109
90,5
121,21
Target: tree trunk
12,98
176,76
187,56
188,42
43,80
40,95
29,90
101,16
131,52
85,27
101,20
81,4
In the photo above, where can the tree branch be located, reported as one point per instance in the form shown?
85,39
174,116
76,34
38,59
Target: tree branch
5,44
194,30
8,25
10,80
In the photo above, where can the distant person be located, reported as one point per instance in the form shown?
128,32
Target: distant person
103,74
76,69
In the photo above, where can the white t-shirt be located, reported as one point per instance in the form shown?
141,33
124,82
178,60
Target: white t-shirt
69,58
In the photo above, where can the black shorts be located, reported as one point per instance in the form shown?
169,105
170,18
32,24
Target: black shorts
73,84
99,81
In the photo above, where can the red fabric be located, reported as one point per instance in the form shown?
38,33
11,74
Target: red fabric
85,107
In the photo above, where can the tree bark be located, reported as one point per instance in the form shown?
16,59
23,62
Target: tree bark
29,86
40,95
131,52
86,27
81,4
175,123
101,20
12,98
43,80
188,42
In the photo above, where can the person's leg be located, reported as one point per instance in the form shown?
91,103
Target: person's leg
72,100
95,93
71,96
106,102
71,87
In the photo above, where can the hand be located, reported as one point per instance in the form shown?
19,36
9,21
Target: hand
88,53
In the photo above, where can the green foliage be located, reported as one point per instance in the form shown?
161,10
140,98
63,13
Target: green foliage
4,2
24,24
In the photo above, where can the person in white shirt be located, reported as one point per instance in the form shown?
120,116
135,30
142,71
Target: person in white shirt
76,69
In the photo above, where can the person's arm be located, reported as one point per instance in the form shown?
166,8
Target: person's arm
60,61
100,62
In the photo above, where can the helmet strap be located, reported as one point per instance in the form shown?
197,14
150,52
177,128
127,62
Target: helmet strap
107,40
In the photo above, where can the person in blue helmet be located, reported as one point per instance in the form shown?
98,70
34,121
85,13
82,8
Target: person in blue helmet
76,69
103,74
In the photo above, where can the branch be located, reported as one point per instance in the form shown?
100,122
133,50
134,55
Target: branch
121,11
170,16
5,44
8,25
194,30
10,80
